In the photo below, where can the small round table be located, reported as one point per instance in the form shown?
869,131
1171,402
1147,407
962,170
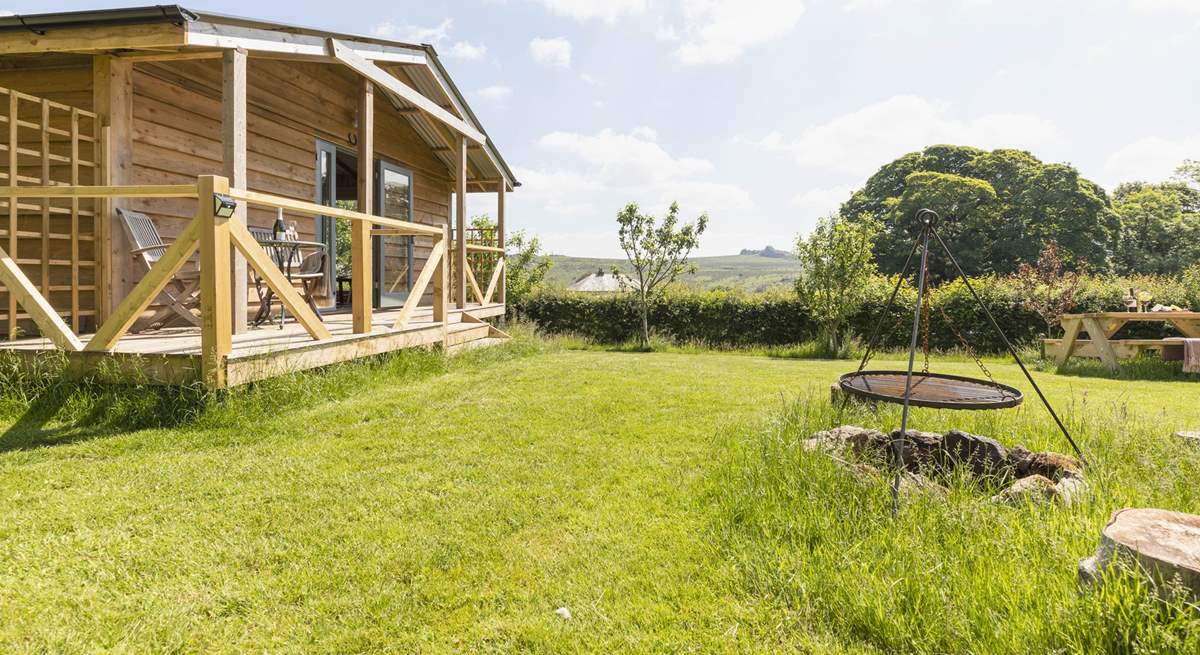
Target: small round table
286,255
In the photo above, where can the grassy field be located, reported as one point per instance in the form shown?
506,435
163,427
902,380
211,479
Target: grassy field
438,505
744,272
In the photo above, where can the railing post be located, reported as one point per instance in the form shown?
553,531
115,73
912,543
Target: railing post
216,321
503,290
441,284
460,222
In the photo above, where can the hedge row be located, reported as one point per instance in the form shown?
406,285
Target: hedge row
730,318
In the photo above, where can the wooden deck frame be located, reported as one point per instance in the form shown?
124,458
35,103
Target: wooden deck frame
119,303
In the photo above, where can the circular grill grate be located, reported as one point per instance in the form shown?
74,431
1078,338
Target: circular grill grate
937,390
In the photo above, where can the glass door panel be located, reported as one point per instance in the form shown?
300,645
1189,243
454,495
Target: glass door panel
393,253
327,195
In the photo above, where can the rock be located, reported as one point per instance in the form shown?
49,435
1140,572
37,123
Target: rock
920,449
1051,465
1029,489
983,455
861,441
563,612
1190,438
1018,459
1162,544
1071,489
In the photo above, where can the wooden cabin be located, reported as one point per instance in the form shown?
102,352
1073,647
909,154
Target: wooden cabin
321,175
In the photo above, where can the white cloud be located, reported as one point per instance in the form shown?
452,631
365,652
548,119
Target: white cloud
1151,159
814,203
415,33
859,142
554,53
467,51
1187,6
859,5
606,10
588,79
625,160
718,31
606,169
495,92
434,35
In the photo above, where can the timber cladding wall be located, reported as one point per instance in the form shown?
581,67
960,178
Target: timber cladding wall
177,135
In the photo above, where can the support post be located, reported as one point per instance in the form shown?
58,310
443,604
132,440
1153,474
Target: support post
441,286
363,286
503,296
112,100
216,326
460,222
233,139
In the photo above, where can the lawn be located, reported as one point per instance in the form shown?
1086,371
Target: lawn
434,506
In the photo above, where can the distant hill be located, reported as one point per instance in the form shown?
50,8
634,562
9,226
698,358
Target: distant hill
745,272
769,251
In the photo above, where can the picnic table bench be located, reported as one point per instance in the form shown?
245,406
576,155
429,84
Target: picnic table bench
1101,326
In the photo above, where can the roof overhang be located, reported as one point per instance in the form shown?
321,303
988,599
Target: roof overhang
411,75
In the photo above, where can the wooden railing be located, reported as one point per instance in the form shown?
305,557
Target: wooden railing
214,236
479,257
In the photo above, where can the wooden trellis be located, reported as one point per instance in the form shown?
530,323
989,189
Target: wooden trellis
52,240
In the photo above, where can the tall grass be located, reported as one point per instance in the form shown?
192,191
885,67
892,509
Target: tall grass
957,574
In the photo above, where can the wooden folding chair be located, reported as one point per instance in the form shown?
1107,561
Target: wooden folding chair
183,293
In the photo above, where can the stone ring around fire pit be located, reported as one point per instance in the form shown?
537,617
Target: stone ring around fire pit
926,456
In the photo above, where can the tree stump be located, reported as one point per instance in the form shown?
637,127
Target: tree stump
1163,544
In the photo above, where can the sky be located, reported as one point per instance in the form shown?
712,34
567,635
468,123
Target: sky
767,114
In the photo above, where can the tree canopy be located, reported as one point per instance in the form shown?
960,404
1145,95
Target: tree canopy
998,209
1156,236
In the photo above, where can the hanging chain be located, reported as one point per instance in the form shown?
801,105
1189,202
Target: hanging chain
970,351
925,308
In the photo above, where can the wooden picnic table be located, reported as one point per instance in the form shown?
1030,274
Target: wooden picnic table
1101,326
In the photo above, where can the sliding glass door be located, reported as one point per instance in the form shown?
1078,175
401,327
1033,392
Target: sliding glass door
393,253
327,194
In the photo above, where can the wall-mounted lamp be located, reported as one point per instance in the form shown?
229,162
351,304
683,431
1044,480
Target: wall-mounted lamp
223,205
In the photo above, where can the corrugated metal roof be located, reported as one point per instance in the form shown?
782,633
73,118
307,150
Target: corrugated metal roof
433,81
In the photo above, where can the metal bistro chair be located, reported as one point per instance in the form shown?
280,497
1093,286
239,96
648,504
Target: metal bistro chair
183,293
307,269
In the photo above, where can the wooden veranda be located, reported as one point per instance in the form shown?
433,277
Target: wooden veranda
180,120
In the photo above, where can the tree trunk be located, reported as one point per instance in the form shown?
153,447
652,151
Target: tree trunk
645,323
1156,542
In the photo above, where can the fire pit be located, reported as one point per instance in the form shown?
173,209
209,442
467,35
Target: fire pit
928,457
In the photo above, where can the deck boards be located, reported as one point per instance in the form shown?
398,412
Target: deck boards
172,355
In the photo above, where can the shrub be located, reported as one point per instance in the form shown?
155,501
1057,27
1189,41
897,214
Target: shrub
737,319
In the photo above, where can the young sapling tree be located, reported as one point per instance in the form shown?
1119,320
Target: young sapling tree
657,252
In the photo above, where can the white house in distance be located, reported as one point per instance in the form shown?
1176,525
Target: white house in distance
603,281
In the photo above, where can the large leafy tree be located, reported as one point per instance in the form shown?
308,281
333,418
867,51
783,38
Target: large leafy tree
1030,203
1156,235
657,252
967,207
